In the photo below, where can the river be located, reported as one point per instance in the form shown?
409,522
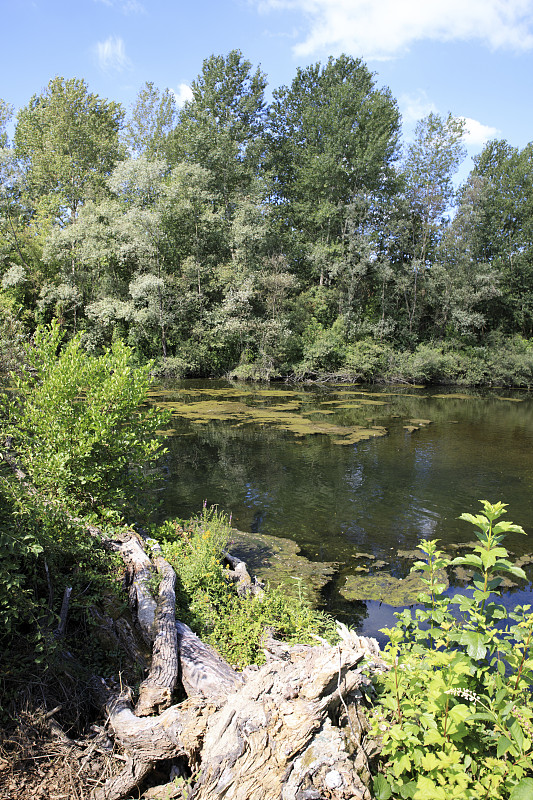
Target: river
350,470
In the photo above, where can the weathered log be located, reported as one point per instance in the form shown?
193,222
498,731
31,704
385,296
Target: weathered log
155,692
203,672
238,574
270,735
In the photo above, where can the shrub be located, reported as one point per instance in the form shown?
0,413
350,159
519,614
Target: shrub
455,709
79,425
234,625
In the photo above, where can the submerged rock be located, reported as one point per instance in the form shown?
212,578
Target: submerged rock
279,562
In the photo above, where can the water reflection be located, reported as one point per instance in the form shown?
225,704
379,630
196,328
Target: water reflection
376,496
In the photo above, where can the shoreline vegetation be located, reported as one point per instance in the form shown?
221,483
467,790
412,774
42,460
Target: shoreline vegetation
293,239
145,660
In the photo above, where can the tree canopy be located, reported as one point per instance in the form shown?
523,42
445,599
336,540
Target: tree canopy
236,235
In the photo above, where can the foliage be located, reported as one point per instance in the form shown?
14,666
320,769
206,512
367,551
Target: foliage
233,236
79,427
78,424
233,624
68,141
455,709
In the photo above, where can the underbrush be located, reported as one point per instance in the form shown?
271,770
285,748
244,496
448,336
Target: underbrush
207,601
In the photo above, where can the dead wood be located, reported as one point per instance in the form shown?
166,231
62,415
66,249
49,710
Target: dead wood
238,574
155,692
289,730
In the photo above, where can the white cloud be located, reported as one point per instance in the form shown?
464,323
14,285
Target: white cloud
414,107
111,54
382,29
182,94
477,134
132,7
126,6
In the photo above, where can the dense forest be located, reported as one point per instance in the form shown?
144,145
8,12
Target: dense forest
293,238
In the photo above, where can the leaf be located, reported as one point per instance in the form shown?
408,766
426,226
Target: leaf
470,560
427,789
523,790
408,789
503,746
475,644
382,790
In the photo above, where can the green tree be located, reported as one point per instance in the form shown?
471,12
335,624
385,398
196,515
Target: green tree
331,135
503,232
151,119
430,163
67,140
221,127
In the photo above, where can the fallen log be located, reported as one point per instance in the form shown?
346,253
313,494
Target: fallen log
289,730
270,735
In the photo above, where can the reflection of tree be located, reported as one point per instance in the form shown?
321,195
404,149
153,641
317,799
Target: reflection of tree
377,497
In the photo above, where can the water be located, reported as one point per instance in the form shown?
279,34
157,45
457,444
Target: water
335,500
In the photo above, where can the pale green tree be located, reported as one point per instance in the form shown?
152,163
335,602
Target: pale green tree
68,142
428,169
150,120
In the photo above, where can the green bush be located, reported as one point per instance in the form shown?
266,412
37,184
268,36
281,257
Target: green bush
455,711
367,359
234,625
79,424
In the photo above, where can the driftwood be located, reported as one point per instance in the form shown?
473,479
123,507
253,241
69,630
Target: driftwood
289,730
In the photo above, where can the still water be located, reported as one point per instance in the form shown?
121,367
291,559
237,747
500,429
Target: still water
348,469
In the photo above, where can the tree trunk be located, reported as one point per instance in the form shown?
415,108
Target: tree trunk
289,730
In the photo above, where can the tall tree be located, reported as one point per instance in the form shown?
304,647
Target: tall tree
503,234
67,139
221,127
332,135
151,119
430,164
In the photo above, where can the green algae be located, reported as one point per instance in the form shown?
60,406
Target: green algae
385,588
360,402
454,396
205,411
511,399
279,562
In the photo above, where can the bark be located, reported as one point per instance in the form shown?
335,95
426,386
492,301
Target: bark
289,730
155,692
238,574
271,734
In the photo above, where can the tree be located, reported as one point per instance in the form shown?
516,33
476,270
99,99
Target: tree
428,169
221,127
67,140
151,119
503,233
331,135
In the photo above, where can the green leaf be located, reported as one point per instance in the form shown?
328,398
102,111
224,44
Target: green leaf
503,746
382,790
475,644
522,790
408,789
470,560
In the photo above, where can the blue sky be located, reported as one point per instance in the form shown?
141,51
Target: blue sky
471,57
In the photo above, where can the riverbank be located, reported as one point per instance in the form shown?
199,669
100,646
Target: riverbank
501,361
